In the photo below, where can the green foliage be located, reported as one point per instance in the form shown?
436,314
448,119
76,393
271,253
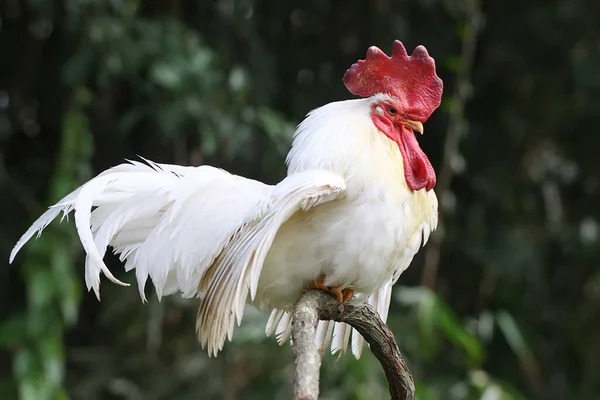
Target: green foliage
53,289
513,313
437,320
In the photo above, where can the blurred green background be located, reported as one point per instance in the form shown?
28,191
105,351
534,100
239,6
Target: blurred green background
501,304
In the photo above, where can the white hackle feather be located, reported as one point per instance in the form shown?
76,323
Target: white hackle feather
344,211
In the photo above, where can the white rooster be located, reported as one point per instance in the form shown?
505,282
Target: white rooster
352,212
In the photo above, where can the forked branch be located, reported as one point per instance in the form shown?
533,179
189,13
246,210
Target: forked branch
314,305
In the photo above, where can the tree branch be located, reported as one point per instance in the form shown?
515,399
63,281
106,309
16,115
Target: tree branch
307,359
316,304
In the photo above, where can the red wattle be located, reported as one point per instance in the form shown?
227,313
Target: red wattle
418,171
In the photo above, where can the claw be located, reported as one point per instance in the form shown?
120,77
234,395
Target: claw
342,295
347,293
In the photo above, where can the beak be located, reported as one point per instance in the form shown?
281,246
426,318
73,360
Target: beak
414,125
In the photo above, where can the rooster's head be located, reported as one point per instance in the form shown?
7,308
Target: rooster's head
406,91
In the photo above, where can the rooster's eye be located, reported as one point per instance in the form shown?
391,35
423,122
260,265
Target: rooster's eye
392,111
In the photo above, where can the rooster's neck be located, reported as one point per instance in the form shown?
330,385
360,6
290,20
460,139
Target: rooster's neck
340,137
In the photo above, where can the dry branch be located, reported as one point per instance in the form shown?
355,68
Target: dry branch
314,305
307,359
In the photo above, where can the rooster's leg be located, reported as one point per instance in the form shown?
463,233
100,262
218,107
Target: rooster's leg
343,295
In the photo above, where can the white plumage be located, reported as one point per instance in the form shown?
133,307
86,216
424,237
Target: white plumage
344,211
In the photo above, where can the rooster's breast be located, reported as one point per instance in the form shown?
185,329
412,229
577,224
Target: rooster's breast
357,244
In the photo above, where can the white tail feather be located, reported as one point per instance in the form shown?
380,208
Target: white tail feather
189,229
131,201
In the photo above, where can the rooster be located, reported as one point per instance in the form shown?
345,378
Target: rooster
354,208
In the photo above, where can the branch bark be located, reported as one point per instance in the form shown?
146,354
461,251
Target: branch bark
307,359
314,305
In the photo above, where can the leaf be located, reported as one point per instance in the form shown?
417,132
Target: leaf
41,288
410,295
166,76
28,391
434,314
492,389
238,79
485,326
516,341
52,353
24,361
428,316
210,143
456,332
276,127
512,333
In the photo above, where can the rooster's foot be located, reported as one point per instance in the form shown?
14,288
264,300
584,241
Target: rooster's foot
342,295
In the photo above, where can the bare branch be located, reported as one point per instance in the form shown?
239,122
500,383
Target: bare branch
366,321
307,359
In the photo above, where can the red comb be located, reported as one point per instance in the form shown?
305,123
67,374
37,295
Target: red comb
411,79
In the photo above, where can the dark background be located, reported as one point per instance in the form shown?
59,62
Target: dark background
501,304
